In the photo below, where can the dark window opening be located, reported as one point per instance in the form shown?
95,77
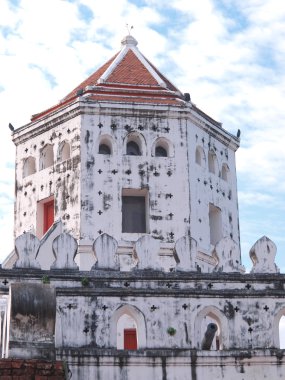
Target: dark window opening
160,152
133,149
133,214
130,339
104,149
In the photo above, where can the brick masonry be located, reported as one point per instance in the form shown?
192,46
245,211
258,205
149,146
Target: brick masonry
17,369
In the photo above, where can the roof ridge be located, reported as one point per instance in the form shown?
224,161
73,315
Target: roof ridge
122,53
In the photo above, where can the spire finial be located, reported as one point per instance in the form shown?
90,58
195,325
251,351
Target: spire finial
129,41
129,28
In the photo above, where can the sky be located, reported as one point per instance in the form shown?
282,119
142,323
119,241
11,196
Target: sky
228,54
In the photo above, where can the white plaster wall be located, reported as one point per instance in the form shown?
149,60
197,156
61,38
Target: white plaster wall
60,180
167,194
87,188
77,313
206,187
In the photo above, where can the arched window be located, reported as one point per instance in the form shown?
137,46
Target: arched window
160,151
135,144
127,328
225,172
162,147
279,330
212,162
127,333
211,330
46,156
133,149
29,166
104,149
200,156
64,151
105,145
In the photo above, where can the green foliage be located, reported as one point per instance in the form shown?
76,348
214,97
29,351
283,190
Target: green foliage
171,331
85,281
45,279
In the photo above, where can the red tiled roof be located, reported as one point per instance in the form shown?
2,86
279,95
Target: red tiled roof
127,77
131,71
92,80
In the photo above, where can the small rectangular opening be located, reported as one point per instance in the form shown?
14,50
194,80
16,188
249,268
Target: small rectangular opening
130,339
134,218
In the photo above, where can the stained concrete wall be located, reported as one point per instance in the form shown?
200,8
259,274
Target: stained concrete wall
31,323
60,181
169,365
211,188
88,187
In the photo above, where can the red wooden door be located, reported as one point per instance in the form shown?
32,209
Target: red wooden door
130,339
48,215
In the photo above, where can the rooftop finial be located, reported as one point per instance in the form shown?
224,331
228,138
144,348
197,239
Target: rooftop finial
129,28
129,40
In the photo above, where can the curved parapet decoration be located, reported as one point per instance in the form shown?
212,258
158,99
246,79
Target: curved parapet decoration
45,255
185,253
227,255
147,250
105,248
262,255
64,248
26,247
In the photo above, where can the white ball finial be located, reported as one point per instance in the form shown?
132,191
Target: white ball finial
129,41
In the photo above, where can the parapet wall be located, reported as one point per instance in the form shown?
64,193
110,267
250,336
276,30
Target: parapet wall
60,250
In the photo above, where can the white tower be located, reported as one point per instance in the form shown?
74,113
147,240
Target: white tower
127,154
135,271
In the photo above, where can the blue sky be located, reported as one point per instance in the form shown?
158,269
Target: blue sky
228,54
